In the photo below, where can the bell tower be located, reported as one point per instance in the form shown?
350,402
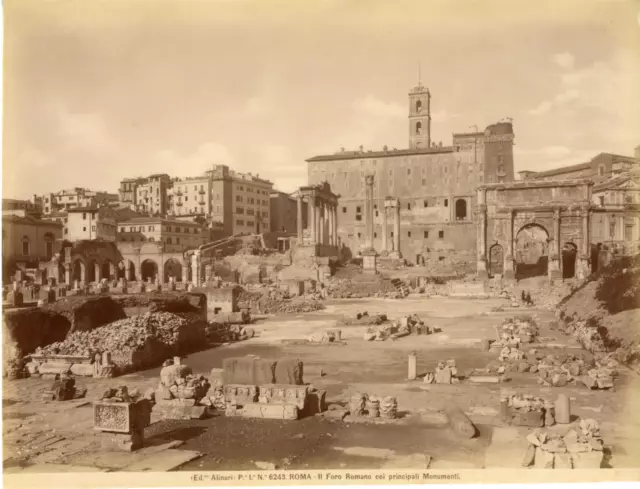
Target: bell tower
419,117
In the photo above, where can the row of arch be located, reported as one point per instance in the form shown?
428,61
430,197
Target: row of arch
92,271
531,254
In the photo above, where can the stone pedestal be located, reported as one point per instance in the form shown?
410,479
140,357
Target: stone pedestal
122,423
369,262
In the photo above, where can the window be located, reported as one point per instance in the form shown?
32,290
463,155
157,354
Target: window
168,228
392,234
358,210
150,228
418,106
446,202
601,170
358,235
601,200
84,228
425,203
461,209
408,234
408,171
122,230
409,206
418,128
26,248
424,182
93,228
426,234
84,215
440,234
375,235
168,240
344,210
177,229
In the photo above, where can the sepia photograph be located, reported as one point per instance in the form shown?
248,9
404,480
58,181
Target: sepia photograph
325,242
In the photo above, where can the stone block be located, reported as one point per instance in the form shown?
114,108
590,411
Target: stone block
316,403
283,394
239,370
54,368
172,411
240,394
587,460
533,419
82,369
176,402
289,371
216,377
459,422
269,411
126,442
114,417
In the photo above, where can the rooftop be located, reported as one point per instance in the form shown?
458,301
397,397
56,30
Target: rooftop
351,155
151,219
29,220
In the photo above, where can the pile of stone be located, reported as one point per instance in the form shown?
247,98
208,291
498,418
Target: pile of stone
579,448
63,389
600,377
558,371
136,341
526,410
227,333
339,288
363,405
364,319
327,336
397,329
272,300
511,354
445,373
516,331
179,392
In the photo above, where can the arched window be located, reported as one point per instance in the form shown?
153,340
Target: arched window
418,106
601,171
418,128
461,209
26,246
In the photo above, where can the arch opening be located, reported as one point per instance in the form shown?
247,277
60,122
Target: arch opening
149,270
172,268
105,270
91,271
418,106
78,271
418,128
496,260
569,254
532,251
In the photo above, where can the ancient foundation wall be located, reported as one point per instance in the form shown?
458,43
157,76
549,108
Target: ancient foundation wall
219,300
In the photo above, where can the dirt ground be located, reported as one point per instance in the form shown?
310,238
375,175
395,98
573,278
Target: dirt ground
377,368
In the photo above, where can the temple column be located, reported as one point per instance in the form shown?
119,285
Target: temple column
329,214
584,259
384,228
195,268
482,241
185,270
396,229
97,272
554,267
67,274
335,225
299,217
369,255
322,220
313,224
509,269
368,212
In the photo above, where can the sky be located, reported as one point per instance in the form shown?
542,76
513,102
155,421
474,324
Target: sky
96,90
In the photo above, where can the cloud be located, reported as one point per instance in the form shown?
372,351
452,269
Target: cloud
275,154
564,60
443,115
84,131
280,167
372,106
543,108
202,159
256,106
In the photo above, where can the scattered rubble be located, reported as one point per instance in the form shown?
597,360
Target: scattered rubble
445,373
271,300
372,407
516,331
526,410
179,392
405,326
579,448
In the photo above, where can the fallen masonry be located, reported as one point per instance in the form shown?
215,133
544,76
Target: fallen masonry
363,406
579,448
516,331
179,392
384,329
526,410
445,373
